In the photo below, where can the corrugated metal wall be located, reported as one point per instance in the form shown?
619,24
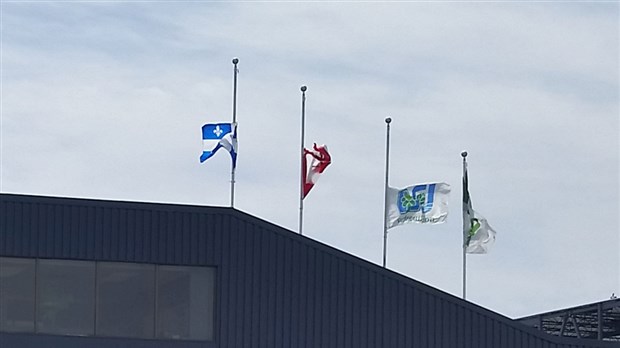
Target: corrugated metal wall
274,287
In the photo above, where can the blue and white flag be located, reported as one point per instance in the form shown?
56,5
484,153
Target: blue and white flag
216,136
422,203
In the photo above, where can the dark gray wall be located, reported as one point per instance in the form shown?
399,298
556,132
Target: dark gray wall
274,287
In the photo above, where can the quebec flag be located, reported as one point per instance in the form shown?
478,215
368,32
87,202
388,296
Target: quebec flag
422,203
216,136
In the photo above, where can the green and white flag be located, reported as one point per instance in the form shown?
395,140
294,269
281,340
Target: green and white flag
422,203
478,235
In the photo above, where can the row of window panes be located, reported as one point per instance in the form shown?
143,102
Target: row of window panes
114,299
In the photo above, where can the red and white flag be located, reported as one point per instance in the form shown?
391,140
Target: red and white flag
316,160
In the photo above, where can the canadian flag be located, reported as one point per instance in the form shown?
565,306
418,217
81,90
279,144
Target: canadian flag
316,160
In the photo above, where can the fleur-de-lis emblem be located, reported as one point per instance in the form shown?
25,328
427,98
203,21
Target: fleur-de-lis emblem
218,131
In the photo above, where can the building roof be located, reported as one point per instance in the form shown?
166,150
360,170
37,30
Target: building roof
599,320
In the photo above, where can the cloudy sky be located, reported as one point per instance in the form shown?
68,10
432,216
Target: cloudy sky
106,100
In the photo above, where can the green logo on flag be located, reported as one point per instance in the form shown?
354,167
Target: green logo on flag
473,229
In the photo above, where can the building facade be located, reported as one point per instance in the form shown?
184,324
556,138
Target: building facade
93,273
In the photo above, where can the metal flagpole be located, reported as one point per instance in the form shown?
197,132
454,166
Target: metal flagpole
465,191
303,158
387,168
234,121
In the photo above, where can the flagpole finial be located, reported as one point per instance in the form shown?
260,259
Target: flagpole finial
464,154
304,88
388,120
235,60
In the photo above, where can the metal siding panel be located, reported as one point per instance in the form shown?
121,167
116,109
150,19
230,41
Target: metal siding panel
302,299
205,241
496,342
511,338
150,235
468,328
295,291
364,307
348,301
327,319
279,290
254,283
244,311
311,298
56,235
208,235
114,233
4,225
271,288
231,252
340,303
477,336
408,320
44,244
159,252
377,303
105,234
21,211
438,326
21,240
131,243
33,248
122,232
518,338
393,313
380,323
185,245
404,309
170,229
489,332
394,307
417,317
13,233
194,239
217,231
358,284
430,319
453,325
86,229
315,300
424,315
225,298
477,329
43,227
288,291
264,295
140,236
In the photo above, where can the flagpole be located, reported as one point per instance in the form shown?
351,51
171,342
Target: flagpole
387,168
303,158
234,121
464,155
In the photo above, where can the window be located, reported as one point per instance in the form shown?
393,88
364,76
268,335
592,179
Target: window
125,299
66,297
112,299
185,302
17,279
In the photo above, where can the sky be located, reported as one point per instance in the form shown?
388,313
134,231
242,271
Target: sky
105,100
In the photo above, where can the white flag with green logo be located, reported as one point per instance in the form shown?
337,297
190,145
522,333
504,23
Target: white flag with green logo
478,235
422,203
